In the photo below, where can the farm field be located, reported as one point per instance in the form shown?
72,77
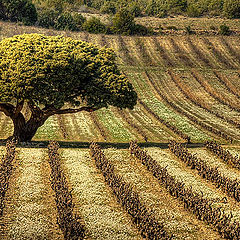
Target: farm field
188,88
188,91
30,209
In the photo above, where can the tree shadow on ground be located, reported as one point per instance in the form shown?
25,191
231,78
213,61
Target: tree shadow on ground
75,144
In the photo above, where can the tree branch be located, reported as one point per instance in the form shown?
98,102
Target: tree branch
70,110
33,107
18,108
7,108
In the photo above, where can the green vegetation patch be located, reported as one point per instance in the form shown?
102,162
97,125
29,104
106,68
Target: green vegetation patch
116,129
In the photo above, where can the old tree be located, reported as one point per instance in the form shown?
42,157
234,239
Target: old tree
57,75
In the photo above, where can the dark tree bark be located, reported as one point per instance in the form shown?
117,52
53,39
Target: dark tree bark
25,131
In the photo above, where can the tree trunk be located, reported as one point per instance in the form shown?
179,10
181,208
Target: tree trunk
25,131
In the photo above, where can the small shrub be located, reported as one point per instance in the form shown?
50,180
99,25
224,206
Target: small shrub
123,22
189,30
79,20
155,8
215,7
29,17
18,10
47,18
212,27
141,30
57,5
108,7
176,6
65,21
193,10
2,11
135,9
94,25
224,30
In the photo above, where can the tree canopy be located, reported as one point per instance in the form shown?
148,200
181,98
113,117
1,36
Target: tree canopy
50,72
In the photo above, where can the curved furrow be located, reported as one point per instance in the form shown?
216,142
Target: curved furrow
184,47
199,54
202,114
195,100
166,123
157,127
143,52
153,129
227,84
126,55
126,117
114,126
218,54
161,53
184,112
50,130
99,126
162,111
62,126
213,92
181,54
196,89
230,49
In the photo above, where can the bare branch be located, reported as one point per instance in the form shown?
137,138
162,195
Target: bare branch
70,110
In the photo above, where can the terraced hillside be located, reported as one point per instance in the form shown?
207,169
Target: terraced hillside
189,91
188,88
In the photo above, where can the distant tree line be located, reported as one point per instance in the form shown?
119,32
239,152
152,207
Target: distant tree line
162,8
62,14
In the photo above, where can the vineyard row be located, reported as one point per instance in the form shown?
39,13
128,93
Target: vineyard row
142,216
201,207
231,187
225,155
70,224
